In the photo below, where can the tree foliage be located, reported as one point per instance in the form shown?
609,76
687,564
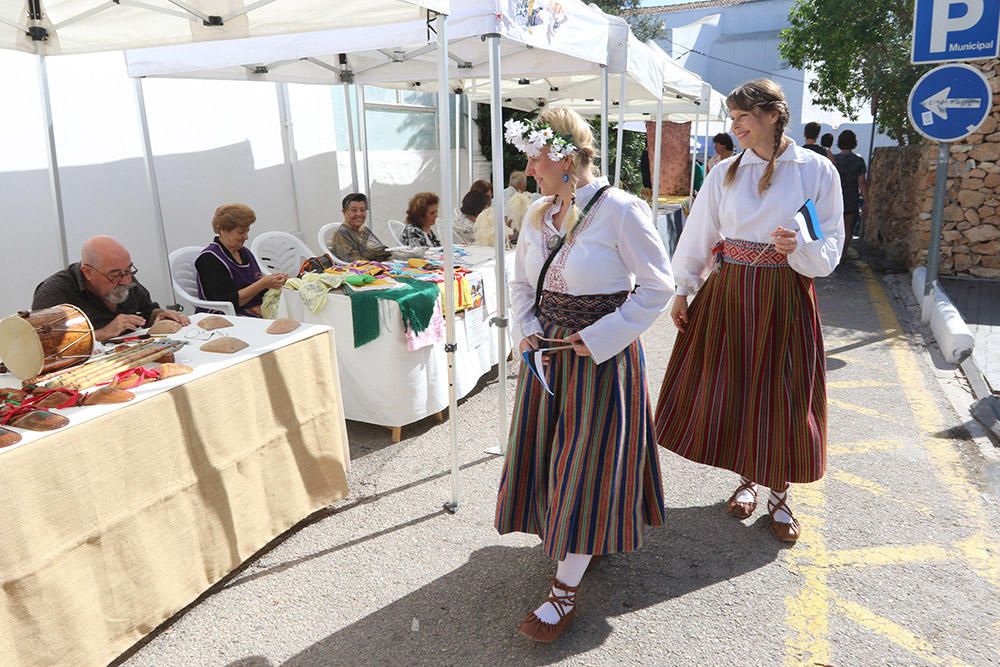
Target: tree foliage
860,53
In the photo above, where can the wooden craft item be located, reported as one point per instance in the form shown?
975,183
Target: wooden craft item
282,326
164,327
213,322
106,396
39,420
226,345
8,437
105,368
41,341
169,370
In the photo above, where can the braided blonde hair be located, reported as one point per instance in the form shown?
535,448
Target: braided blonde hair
571,125
767,96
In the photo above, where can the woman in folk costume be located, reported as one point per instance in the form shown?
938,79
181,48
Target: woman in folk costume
591,275
745,388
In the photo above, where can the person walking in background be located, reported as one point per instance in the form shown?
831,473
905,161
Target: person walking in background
853,183
811,133
723,148
826,141
745,388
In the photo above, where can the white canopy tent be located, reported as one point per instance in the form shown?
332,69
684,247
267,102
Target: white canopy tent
57,27
557,39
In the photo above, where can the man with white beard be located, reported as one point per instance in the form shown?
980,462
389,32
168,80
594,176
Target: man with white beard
103,285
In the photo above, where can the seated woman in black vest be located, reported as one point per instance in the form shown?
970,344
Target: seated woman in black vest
227,270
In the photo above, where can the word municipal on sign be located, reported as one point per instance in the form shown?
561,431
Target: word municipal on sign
950,102
950,30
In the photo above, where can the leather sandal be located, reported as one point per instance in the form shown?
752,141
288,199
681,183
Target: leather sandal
742,510
535,628
785,532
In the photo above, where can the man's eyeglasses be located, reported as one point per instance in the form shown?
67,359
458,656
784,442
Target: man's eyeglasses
117,275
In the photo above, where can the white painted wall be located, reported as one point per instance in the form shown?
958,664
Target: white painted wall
747,36
213,142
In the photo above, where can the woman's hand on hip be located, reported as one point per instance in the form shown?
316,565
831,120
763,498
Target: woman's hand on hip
679,312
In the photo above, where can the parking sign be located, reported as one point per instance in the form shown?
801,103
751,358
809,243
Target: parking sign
952,30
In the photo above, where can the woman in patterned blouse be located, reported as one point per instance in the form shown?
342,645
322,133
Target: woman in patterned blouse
420,217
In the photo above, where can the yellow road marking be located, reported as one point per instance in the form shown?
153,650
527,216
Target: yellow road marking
862,447
889,555
892,631
860,409
807,614
879,490
983,556
859,384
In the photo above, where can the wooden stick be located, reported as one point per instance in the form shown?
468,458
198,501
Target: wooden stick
96,361
91,378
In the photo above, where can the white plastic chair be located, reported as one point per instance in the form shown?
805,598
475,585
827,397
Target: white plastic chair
325,236
280,252
396,229
185,279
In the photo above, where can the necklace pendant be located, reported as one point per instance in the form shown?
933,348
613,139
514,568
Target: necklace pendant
554,242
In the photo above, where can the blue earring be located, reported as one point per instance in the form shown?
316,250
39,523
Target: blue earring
566,177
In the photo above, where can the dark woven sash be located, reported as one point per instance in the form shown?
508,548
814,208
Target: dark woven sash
578,311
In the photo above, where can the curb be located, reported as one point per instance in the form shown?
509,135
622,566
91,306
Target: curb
950,330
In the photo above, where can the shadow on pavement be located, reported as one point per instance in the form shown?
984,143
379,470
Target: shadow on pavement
469,616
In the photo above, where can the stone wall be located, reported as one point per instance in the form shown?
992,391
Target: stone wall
902,197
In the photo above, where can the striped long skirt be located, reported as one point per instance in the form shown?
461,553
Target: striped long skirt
745,388
582,469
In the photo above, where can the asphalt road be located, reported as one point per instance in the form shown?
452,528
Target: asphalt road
899,563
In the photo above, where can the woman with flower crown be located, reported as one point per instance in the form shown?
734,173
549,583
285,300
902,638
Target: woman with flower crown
591,275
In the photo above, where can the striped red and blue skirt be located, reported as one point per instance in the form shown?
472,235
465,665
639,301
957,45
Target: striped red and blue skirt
582,469
745,389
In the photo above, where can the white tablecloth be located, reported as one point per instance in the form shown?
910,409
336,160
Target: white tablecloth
384,383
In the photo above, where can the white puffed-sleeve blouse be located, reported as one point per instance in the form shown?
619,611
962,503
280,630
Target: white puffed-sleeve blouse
618,250
739,211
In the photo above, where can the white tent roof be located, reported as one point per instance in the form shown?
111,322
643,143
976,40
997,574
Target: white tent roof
548,42
79,26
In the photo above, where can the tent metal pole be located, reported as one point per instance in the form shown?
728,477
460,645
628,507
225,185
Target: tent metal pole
458,145
50,145
288,147
447,204
655,175
706,92
621,133
363,135
604,121
468,138
693,151
499,242
154,188
350,138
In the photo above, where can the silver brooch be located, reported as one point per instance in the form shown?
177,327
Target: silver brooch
554,242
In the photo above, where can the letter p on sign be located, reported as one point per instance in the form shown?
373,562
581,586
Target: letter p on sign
943,23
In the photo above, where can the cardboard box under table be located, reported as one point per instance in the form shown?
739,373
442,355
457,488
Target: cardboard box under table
115,522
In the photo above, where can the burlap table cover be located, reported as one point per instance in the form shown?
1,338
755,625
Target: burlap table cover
110,527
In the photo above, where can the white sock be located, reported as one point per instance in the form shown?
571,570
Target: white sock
781,516
570,571
746,495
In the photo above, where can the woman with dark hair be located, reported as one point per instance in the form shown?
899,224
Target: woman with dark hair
826,141
723,148
852,171
420,217
745,388
464,227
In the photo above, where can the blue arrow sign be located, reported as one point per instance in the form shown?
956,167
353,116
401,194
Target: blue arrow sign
949,102
950,30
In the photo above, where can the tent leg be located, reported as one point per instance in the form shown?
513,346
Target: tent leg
50,144
693,151
707,94
154,189
499,229
288,147
468,138
604,121
621,133
655,175
447,205
350,138
363,136
458,144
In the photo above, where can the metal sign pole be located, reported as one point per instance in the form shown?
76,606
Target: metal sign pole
933,254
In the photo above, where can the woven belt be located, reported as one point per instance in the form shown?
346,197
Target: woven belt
752,253
578,311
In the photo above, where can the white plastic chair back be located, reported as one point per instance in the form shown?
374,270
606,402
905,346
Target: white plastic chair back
185,279
280,252
325,235
396,229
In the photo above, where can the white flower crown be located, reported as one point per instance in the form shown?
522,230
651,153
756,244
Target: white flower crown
530,138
